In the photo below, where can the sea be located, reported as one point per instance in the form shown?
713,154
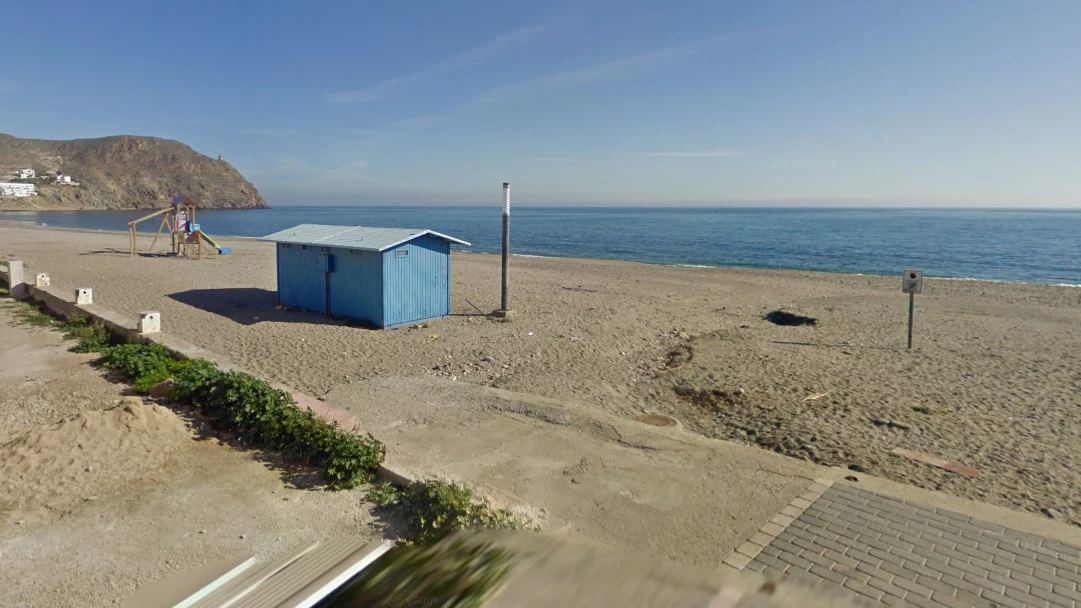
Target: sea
1025,246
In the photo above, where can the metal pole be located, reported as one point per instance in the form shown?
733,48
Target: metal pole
506,244
911,311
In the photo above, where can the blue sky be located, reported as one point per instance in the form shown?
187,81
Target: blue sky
868,102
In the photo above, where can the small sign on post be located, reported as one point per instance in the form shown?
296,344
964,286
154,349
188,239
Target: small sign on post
912,284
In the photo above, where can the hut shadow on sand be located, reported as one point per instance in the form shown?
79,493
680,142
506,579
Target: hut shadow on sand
251,305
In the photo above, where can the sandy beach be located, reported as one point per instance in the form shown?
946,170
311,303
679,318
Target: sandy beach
991,383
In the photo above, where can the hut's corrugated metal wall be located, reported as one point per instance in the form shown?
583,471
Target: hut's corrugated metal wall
356,285
301,280
416,285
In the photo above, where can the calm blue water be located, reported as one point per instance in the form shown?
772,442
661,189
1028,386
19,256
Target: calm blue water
1019,246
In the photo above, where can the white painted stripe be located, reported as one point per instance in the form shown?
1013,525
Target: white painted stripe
216,584
339,580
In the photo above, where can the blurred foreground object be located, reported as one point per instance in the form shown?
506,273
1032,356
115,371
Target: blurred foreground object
490,569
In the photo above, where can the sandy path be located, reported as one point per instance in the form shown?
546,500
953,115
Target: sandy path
101,493
993,381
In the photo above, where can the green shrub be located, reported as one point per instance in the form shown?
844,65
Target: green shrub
260,414
265,416
433,509
91,337
144,365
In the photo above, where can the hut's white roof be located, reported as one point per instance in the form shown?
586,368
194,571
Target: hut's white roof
353,237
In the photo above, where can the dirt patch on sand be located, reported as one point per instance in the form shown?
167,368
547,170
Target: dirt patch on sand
47,470
836,403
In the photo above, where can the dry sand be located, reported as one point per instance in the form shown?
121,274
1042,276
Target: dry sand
101,493
993,381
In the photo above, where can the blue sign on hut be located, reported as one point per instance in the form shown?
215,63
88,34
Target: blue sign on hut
383,277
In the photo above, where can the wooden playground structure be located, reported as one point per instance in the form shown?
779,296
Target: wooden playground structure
179,220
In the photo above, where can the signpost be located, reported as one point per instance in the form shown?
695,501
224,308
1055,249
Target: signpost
505,299
912,284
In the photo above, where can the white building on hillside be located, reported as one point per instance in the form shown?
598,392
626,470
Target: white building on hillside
63,179
26,174
13,189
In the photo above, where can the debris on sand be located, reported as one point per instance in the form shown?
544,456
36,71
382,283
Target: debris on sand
657,420
713,398
935,461
678,357
788,319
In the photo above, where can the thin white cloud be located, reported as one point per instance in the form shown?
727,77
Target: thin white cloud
477,55
554,159
623,67
290,173
420,121
354,97
74,100
269,132
696,154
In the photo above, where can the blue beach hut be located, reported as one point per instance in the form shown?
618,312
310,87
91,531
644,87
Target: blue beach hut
382,277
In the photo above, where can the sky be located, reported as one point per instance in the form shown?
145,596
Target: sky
591,102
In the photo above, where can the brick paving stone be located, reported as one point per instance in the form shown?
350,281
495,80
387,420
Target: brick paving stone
1027,598
886,586
1067,574
1067,591
922,570
795,562
1009,581
935,584
1002,600
772,562
898,571
912,587
830,575
826,543
839,559
792,511
1031,581
984,583
920,601
887,557
889,550
961,585
893,600
755,566
1053,598
761,539
863,589
951,601
852,573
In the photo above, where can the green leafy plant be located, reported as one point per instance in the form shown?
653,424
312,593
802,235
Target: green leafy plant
33,314
91,337
145,365
268,417
433,509
258,413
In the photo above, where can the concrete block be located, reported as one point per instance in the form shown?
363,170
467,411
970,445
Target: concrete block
149,322
17,280
84,295
42,280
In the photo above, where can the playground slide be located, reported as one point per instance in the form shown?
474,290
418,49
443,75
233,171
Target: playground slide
210,241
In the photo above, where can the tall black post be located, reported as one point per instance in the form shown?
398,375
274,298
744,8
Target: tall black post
505,304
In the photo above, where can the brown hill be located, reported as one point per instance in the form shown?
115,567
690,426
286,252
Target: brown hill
122,172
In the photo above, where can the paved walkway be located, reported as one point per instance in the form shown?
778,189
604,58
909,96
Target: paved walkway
899,552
